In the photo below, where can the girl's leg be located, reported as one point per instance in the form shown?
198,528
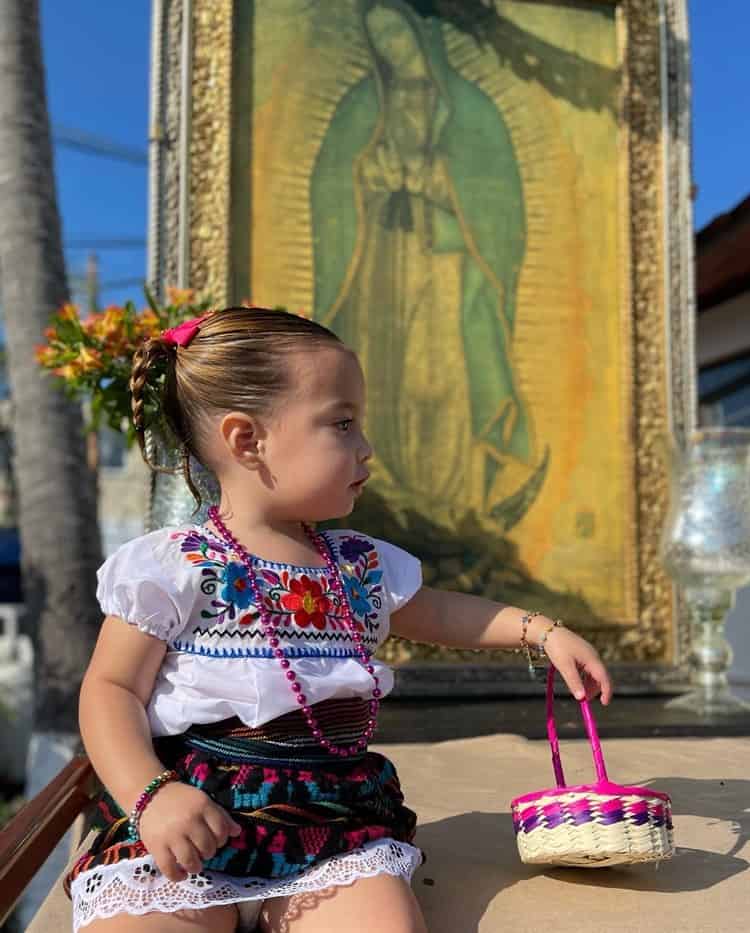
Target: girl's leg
205,920
383,904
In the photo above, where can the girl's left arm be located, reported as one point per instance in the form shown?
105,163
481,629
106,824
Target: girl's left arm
460,620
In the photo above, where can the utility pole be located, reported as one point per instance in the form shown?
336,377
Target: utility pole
92,283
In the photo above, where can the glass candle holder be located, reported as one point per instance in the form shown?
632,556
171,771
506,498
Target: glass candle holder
705,547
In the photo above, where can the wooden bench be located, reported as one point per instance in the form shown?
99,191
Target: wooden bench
29,838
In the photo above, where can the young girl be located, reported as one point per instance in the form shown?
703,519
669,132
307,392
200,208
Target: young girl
233,690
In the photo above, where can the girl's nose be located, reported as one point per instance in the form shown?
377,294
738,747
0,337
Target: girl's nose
365,452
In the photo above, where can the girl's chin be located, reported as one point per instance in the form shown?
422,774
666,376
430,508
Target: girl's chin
348,507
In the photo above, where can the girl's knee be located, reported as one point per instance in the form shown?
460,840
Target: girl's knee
380,903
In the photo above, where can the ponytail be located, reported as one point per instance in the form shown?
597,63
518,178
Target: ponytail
145,361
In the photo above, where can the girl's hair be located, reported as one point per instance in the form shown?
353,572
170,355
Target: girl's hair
235,362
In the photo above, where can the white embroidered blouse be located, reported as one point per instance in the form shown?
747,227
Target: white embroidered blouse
187,587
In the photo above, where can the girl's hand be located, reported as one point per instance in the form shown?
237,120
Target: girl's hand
182,827
579,664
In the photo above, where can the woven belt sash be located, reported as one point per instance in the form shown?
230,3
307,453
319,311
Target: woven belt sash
287,739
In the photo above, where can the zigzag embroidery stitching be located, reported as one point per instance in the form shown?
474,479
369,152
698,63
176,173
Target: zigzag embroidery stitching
292,652
303,636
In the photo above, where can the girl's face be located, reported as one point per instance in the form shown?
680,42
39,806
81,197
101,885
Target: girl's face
314,449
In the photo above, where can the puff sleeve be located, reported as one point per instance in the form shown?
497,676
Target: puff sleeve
402,574
143,584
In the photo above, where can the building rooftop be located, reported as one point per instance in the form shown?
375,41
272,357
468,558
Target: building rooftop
722,255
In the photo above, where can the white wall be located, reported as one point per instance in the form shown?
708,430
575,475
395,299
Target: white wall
738,635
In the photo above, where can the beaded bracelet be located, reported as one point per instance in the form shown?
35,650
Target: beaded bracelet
145,799
542,651
524,647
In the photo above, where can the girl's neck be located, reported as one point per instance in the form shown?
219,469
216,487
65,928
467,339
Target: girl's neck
280,540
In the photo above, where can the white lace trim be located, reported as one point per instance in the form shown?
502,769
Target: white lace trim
136,886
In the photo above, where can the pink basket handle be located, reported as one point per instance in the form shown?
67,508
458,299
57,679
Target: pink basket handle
588,721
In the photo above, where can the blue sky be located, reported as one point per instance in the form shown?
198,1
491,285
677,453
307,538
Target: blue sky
97,59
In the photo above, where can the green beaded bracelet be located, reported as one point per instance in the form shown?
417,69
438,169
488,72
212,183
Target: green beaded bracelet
145,799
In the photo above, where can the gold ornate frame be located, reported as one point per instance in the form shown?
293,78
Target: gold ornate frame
192,219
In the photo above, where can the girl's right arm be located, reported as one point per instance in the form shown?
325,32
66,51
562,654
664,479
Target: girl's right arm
181,826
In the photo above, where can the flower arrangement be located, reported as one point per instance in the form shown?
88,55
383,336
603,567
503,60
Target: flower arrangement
94,355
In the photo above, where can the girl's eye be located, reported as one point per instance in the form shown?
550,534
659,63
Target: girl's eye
344,425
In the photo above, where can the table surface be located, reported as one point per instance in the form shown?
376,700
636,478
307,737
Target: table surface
474,882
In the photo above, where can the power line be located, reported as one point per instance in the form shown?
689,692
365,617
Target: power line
108,284
122,283
95,242
97,145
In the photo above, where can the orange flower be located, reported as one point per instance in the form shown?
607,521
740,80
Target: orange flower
111,322
107,327
148,323
44,354
179,296
69,372
91,324
88,359
68,312
94,356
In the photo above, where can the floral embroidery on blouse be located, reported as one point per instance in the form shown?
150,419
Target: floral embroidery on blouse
295,598
307,602
298,600
362,578
219,575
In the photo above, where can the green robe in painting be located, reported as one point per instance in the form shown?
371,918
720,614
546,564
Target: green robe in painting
422,283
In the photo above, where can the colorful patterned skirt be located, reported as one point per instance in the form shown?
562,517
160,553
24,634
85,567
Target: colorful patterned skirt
309,820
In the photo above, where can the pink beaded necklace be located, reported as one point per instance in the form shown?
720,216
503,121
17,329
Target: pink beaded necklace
272,633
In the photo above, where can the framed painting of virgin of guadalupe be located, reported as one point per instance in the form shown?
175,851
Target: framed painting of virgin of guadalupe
489,202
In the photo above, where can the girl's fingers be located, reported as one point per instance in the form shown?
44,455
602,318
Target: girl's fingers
598,673
569,673
167,864
591,686
204,840
596,680
187,856
580,667
221,825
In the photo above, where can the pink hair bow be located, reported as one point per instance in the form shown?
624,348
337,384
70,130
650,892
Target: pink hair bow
181,335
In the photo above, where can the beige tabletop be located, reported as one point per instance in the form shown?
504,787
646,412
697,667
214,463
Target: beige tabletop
461,790
474,881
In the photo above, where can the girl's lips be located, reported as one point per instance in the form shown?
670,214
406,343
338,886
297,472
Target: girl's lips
361,482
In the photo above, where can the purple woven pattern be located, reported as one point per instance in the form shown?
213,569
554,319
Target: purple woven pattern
580,810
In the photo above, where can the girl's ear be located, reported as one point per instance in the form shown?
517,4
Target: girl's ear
242,436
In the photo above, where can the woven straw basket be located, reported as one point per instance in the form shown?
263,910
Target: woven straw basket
591,825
